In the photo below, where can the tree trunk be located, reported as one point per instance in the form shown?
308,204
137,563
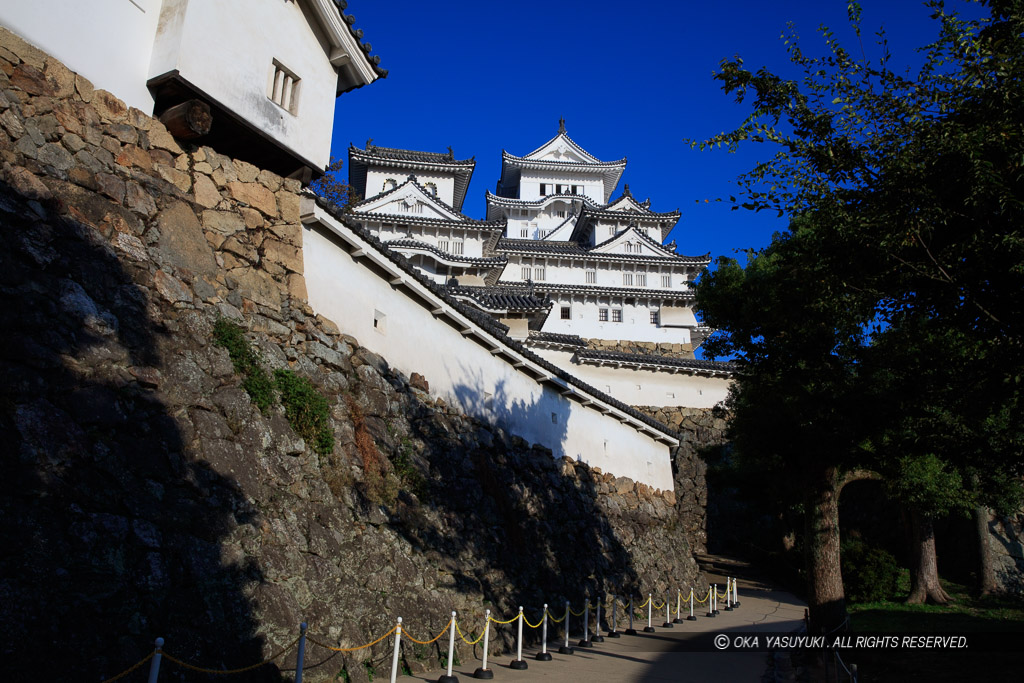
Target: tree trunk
825,596
924,569
986,571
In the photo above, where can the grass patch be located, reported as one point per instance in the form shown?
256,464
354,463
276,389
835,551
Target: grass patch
967,614
306,408
255,380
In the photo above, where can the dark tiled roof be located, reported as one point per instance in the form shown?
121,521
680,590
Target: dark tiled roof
573,249
703,258
638,359
357,33
640,292
485,321
359,160
556,338
407,219
437,200
447,158
423,246
503,298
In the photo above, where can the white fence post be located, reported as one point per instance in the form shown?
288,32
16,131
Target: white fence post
565,649
483,673
543,655
614,633
518,664
598,638
691,617
154,664
650,611
585,641
451,655
394,657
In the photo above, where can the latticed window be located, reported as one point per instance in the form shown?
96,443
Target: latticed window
524,232
566,313
666,280
627,279
538,273
458,247
283,88
602,314
444,245
527,273
616,315
641,279
655,318
591,277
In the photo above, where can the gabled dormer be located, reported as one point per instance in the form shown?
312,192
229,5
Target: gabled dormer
632,242
562,148
409,199
378,169
558,167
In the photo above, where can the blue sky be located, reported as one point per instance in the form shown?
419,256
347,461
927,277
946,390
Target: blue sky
631,79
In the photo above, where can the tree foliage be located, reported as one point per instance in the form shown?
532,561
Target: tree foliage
883,328
333,188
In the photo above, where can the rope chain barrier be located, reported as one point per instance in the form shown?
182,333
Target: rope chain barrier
349,649
468,642
227,672
130,669
611,605
432,640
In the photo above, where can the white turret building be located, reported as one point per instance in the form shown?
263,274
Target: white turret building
583,279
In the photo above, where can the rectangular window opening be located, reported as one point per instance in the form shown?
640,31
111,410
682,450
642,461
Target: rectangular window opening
602,314
616,315
283,89
566,313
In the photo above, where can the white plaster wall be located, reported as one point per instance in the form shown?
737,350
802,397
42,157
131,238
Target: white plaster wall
529,184
375,178
466,374
107,41
473,243
635,326
227,47
645,387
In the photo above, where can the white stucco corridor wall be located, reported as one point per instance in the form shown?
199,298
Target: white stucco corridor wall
460,367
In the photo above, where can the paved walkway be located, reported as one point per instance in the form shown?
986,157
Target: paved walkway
661,656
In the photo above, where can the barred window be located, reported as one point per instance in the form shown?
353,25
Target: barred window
602,314
538,273
444,245
641,279
527,273
616,315
566,313
627,279
591,277
655,318
458,247
283,89
666,280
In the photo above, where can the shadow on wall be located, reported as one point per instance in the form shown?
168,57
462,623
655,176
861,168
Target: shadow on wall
531,524
111,532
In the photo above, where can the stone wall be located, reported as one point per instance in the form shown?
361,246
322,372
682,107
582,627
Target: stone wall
700,428
641,347
145,495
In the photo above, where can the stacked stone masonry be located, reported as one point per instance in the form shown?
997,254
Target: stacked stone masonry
145,495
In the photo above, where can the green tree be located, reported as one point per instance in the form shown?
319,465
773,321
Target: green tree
906,255
332,187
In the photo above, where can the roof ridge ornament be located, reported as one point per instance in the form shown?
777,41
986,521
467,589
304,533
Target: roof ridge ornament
625,191
561,124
